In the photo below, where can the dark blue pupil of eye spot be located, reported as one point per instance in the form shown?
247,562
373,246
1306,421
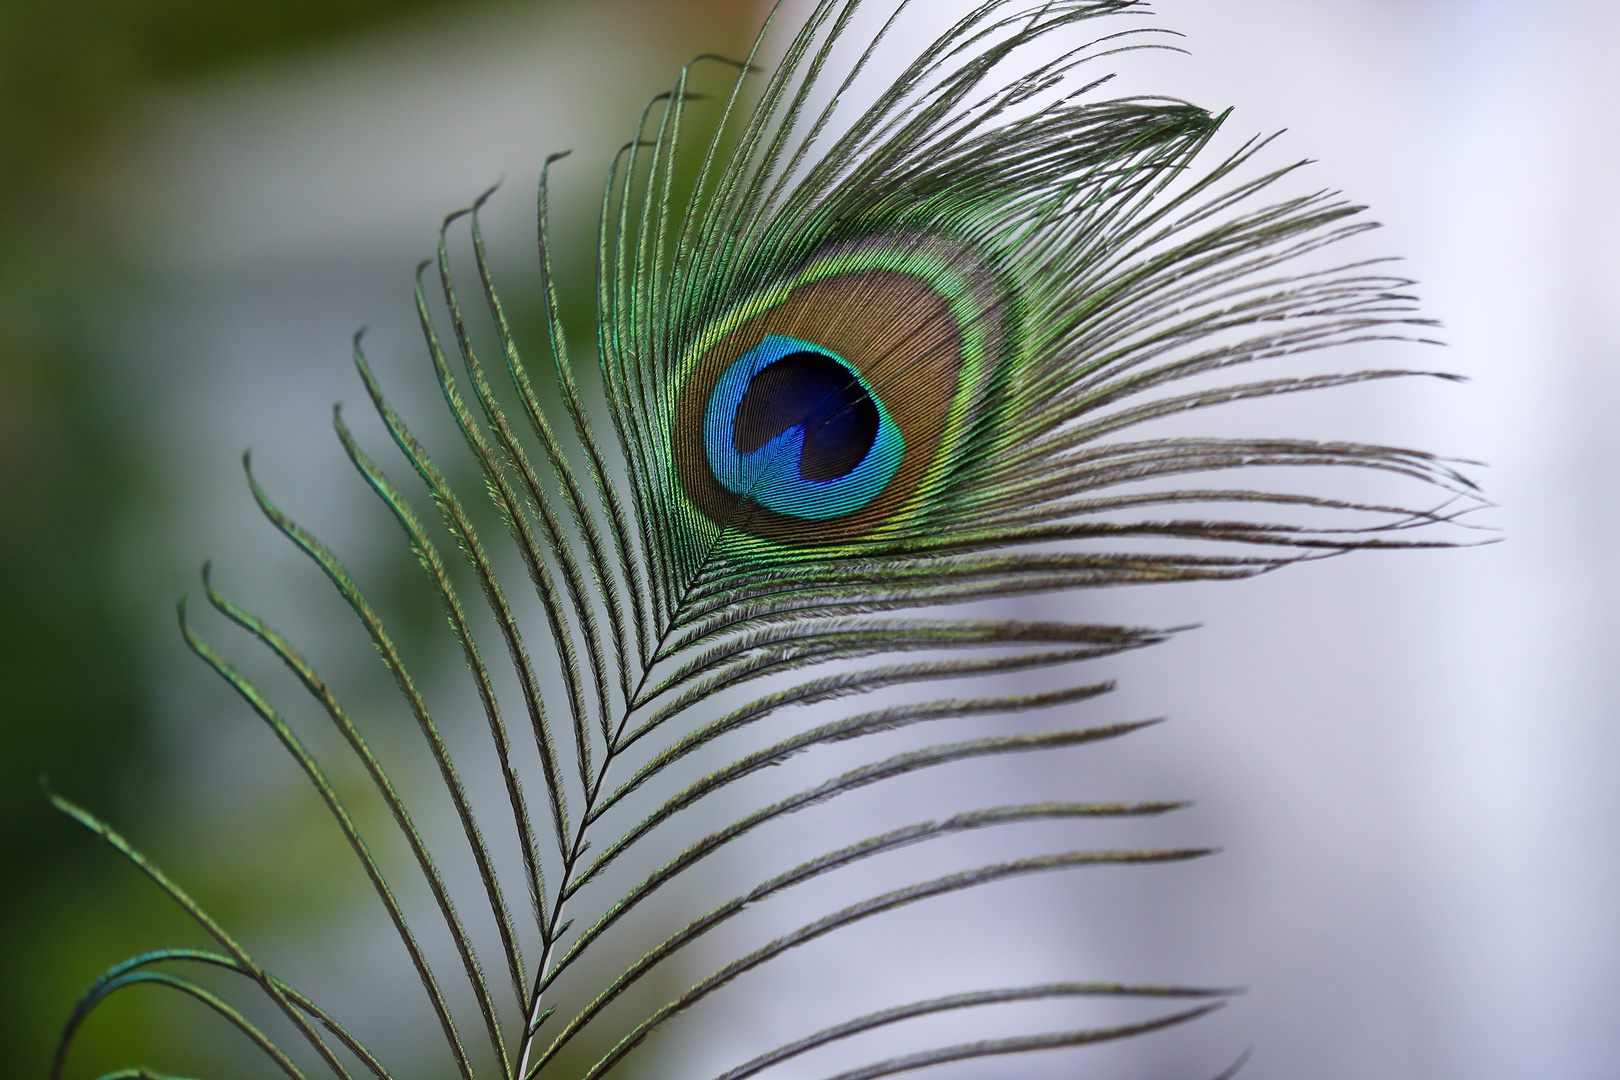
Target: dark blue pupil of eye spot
839,418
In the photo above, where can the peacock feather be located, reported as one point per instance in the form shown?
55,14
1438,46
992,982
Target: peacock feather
863,350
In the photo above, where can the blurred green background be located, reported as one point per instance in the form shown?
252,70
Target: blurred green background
87,530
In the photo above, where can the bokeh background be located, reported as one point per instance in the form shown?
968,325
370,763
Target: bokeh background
1409,759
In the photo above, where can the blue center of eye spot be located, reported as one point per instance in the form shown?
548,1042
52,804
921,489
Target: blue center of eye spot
794,427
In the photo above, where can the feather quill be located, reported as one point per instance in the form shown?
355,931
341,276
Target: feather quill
853,367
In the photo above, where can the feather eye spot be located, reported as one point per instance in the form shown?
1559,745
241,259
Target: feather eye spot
831,407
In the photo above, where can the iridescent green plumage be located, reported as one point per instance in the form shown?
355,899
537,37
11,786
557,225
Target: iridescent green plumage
972,289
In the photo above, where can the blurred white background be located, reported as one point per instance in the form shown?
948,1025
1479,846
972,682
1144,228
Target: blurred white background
1408,758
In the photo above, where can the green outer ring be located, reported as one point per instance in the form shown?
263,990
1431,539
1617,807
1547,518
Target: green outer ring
963,289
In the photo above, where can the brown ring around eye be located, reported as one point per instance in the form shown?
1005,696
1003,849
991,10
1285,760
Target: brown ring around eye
892,327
